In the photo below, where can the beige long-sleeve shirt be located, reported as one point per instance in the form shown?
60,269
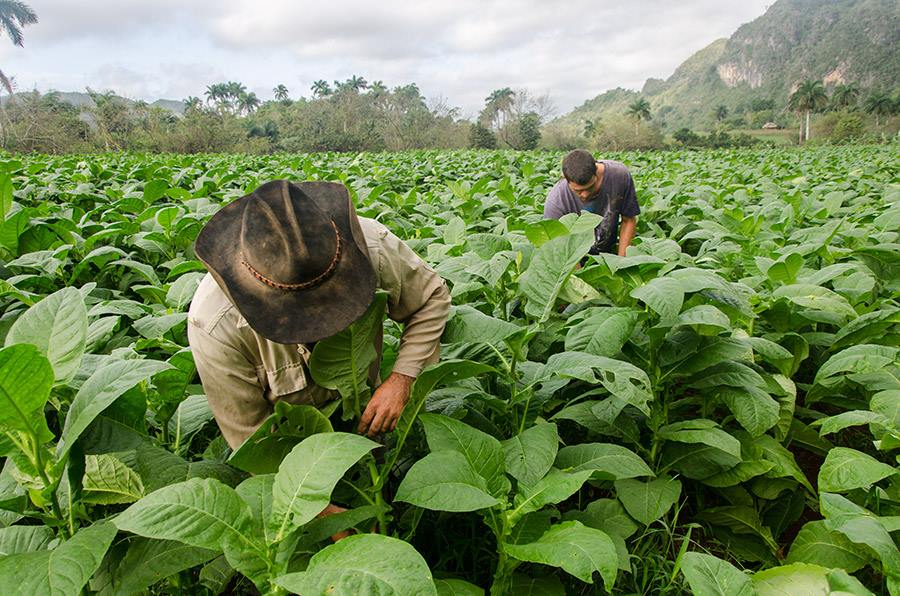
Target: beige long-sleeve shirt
245,374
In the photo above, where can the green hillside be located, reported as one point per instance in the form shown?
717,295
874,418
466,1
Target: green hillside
837,41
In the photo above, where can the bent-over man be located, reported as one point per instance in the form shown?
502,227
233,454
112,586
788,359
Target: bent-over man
603,187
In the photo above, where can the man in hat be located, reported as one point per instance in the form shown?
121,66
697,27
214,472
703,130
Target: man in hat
603,187
291,264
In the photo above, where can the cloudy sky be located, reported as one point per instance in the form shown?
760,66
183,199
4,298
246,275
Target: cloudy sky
456,50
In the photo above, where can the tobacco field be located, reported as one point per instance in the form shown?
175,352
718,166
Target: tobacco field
718,413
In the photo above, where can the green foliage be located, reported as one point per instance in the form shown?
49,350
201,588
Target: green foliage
715,412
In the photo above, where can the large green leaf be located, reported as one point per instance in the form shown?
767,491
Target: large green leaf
663,295
861,527
845,469
364,564
57,325
575,548
182,290
553,488
607,515
191,415
818,545
456,587
26,378
109,481
603,332
264,450
817,298
147,562
100,390
607,461
711,576
202,513
803,579
341,362
857,359
483,452
308,474
63,571
753,408
701,431
530,455
622,379
739,519
468,325
550,267
648,501
445,481
15,540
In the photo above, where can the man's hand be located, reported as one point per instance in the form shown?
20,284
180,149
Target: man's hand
386,405
332,509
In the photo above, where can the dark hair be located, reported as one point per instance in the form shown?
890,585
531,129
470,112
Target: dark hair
579,166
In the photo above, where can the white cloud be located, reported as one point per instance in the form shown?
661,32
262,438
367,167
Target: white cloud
460,50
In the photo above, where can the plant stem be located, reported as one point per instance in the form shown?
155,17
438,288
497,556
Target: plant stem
379,499
38,461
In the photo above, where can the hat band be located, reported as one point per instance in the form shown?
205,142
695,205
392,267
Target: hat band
306,284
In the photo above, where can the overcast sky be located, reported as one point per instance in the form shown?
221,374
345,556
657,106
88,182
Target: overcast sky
459,50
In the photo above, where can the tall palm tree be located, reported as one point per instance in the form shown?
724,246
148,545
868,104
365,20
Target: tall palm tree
809,97
880,104
357,83
247,102
845,96
321,88
639,110
281,93
378,88
13,16
497,106
215,93
192,103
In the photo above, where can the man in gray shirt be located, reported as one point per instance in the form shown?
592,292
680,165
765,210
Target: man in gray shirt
603,187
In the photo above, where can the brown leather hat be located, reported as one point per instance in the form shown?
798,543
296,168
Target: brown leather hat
292,258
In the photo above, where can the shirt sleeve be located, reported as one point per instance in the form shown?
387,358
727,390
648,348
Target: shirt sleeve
553,207
418,298
630,207
232,388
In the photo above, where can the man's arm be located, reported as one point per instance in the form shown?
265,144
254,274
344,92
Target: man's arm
420,301
626,233
232,388
553,206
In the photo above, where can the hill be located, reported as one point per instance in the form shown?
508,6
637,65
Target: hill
836,41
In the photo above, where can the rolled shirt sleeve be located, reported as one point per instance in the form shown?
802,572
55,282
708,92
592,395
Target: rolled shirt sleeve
417,298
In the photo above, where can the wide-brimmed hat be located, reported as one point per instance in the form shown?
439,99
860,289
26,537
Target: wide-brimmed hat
292,258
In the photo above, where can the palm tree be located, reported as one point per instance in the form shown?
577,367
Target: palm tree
589,128
497,105
247,102
639,110
192,103
13,16
845,96
216,93
880,104
357,83
281,93
721,113
378,88
321,88
809,97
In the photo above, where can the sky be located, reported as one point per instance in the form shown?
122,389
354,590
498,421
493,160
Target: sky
456,51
